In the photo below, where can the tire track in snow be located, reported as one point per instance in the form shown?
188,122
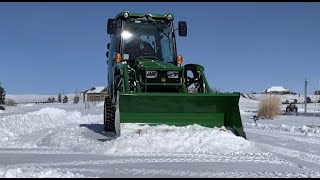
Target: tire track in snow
292,153
280,130
27,172
280,135
174,173
237,156
296,156
127,160
157,172
220,174
37,151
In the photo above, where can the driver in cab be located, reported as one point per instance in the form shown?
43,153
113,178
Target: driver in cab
137,48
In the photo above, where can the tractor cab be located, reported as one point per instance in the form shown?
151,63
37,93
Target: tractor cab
151,31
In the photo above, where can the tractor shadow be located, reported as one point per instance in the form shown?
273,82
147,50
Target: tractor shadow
97,132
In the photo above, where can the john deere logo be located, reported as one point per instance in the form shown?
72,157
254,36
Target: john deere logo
163,79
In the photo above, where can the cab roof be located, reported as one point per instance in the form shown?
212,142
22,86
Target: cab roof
141,15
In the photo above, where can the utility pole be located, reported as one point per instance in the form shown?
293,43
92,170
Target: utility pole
305,96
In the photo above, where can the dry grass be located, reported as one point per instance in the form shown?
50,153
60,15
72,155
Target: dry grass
269,107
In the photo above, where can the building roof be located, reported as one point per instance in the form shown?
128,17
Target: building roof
276,89
96,89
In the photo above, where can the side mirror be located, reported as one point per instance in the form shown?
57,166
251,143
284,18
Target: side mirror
107,54
108,46
182,28
112,26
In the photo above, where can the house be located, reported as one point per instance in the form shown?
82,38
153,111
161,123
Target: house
95,94
276,90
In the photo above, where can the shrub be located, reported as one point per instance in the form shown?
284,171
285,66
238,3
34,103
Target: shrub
76,99
286,102
50,100
59,98
309,99
269,108
10,102
65,99
2,95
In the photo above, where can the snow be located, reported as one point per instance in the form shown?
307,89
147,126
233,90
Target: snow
100,104
68,140
96,89
135,138
36,173
283,98
277,89
32,98
189,139
27,105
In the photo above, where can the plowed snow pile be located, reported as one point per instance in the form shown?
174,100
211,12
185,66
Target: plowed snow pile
134,138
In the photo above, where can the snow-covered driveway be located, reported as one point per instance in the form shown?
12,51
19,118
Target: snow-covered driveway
56,140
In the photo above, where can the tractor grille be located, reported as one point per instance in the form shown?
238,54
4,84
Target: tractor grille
163,74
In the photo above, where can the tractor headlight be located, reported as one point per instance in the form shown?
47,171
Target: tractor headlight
169,17
173,74
152,74
126,14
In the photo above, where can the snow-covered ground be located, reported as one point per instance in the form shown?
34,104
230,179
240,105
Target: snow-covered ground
67,140
33,98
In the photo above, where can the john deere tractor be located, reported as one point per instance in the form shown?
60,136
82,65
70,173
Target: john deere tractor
154,87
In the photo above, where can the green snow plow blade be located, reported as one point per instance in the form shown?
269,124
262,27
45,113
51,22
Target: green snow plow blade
180,109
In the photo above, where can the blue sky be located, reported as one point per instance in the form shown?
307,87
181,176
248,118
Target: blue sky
47,48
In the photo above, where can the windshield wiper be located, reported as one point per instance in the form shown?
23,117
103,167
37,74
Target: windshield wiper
155,24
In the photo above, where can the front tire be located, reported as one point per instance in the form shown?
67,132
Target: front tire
109,116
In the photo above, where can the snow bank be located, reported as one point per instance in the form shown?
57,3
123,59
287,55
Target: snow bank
292,129
53,113
27,105
48,127
187,139
15,126
154,139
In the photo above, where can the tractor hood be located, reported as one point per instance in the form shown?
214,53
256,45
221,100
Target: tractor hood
147,63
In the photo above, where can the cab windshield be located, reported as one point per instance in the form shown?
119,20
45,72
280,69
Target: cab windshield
144,38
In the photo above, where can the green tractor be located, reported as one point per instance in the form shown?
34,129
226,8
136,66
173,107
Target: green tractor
152,86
